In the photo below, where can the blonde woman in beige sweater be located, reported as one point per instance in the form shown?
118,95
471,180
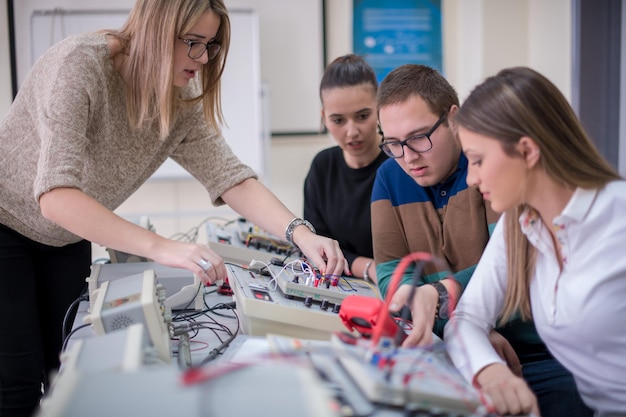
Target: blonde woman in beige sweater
97,115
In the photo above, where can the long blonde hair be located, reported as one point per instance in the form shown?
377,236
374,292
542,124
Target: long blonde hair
521,102
148,38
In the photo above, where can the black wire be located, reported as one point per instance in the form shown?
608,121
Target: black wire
216,331
71,310
189,315
213,322
182,310
213,325
211,291
67,338
218,350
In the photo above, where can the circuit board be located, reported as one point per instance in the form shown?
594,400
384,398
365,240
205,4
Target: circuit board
240,241
302,310
422,378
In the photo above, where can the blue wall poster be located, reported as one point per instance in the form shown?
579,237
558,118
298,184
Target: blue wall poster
390,33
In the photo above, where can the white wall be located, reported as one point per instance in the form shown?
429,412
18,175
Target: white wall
482,36
622,130
479,38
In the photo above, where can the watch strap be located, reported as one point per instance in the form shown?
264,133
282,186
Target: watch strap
443,302
295,222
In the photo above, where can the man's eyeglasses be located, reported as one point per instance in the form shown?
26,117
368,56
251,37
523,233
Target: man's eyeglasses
196,49
417,143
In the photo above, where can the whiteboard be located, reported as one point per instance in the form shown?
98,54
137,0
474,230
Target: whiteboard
292,60
241,81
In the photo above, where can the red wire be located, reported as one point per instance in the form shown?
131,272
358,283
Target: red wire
398,273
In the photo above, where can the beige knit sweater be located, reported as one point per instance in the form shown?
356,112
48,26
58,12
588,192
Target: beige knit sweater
68,128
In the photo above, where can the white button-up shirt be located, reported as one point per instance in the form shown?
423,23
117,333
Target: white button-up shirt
579,311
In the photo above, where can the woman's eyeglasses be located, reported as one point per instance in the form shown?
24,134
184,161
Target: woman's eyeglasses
196,49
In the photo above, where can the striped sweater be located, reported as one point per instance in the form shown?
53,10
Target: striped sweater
449,220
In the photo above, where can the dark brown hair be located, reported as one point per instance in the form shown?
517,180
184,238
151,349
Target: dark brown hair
347,71
411,80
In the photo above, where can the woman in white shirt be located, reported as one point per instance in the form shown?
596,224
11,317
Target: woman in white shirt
556,254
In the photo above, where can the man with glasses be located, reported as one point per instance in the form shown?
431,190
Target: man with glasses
420,200
421,203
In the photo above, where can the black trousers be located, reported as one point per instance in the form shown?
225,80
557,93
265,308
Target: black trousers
38,283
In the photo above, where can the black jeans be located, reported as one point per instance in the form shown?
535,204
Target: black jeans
555,388
38,283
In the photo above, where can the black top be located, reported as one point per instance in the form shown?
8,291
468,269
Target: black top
337,201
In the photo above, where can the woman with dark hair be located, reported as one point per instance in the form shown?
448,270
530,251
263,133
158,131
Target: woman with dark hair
338,187
555,256
97,115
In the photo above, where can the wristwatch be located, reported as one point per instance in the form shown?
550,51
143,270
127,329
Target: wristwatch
443,305
295,222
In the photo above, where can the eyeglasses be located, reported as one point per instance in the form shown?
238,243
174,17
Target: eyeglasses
417,143
196,49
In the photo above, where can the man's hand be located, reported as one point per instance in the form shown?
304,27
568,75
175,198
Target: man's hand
423,310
